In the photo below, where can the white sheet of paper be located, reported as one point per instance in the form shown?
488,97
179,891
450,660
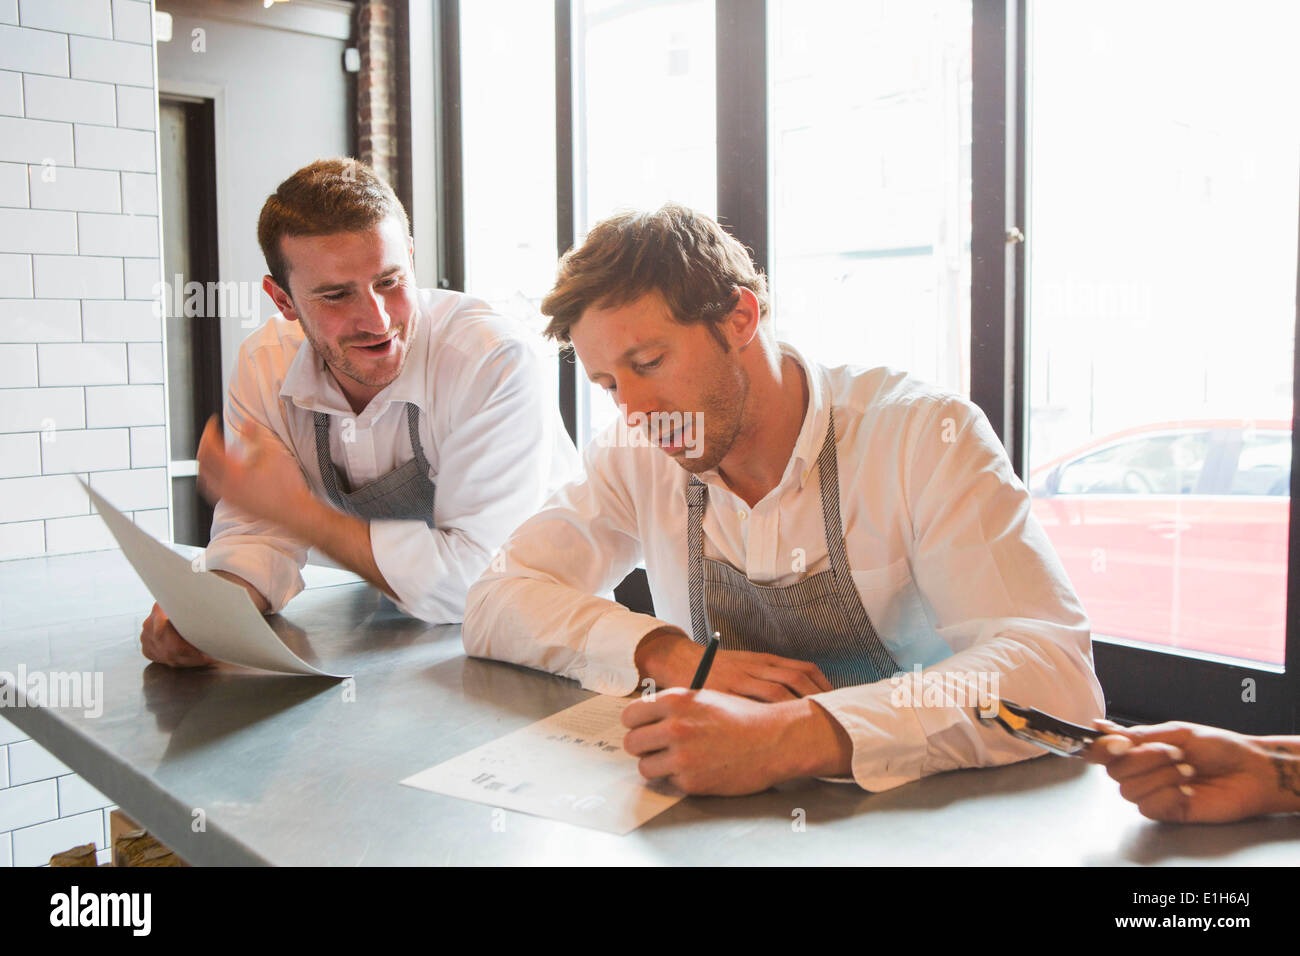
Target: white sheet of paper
215,615
570,766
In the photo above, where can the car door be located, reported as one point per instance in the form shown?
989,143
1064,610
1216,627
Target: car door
1116,520
1231,576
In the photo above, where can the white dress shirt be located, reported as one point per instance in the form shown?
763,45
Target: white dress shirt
954,570
490,428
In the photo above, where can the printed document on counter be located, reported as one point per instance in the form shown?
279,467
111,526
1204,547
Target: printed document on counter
570,766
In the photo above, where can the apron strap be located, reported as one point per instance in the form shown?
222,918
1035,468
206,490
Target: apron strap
697,494
413,429
882,662
828,480
328,475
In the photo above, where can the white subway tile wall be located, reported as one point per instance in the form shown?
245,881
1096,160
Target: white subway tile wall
33,846
75,101
126,320
148,447
34,51
29,762
83,190
16,272
38,320
20,455
140,193
11,93
13,184
156,522
18,539
81,357
114,405
18,365
34,141
68,16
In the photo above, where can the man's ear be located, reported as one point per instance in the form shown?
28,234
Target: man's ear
280,298
743,320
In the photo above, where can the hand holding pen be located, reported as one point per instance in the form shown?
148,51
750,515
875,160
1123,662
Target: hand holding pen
706,662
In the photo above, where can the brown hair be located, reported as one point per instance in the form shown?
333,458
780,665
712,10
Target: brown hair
330,195
685,256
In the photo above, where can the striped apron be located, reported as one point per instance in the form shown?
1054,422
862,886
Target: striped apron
405,492
819,618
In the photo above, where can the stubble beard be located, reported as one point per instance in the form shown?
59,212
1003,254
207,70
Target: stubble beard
722,419
336,358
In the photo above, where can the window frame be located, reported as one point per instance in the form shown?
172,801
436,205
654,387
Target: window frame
1141,685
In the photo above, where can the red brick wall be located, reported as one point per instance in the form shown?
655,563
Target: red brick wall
377,104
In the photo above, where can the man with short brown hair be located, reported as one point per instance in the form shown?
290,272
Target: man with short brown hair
401,431
857,537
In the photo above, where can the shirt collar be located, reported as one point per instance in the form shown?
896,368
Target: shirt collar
812,433
310,386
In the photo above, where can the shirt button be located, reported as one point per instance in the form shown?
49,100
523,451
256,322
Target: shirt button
742,514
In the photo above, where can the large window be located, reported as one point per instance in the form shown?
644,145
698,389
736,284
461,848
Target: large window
1164,150
507,61
870,127
1083,215
644,123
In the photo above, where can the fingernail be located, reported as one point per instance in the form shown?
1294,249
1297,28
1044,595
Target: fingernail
1120,745
1175,753
1186,790
1187,770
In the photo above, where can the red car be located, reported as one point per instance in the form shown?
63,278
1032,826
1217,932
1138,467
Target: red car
1175,534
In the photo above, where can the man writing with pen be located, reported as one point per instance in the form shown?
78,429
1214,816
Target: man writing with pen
836,526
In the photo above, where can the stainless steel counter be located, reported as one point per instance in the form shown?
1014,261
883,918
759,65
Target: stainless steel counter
291,770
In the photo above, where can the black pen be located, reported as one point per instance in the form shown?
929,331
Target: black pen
706,662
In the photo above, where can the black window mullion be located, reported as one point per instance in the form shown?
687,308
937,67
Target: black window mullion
997,379
1291,655
565,227
447,103
742,123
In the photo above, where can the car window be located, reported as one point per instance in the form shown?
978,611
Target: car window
1167,464
1264,465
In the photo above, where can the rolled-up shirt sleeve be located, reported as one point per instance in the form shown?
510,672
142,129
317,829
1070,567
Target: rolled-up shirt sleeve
1001,600
538,605
258,551
495,468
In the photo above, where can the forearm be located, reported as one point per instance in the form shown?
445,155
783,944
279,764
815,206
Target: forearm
555,628
343,537
668,657
817,745
259,600
1281,774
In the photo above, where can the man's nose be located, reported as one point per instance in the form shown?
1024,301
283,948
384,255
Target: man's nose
374,317
637,401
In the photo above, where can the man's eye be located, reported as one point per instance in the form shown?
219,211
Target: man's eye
389,282
335,296
648,366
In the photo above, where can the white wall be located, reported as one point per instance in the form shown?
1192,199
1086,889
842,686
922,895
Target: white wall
81,365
